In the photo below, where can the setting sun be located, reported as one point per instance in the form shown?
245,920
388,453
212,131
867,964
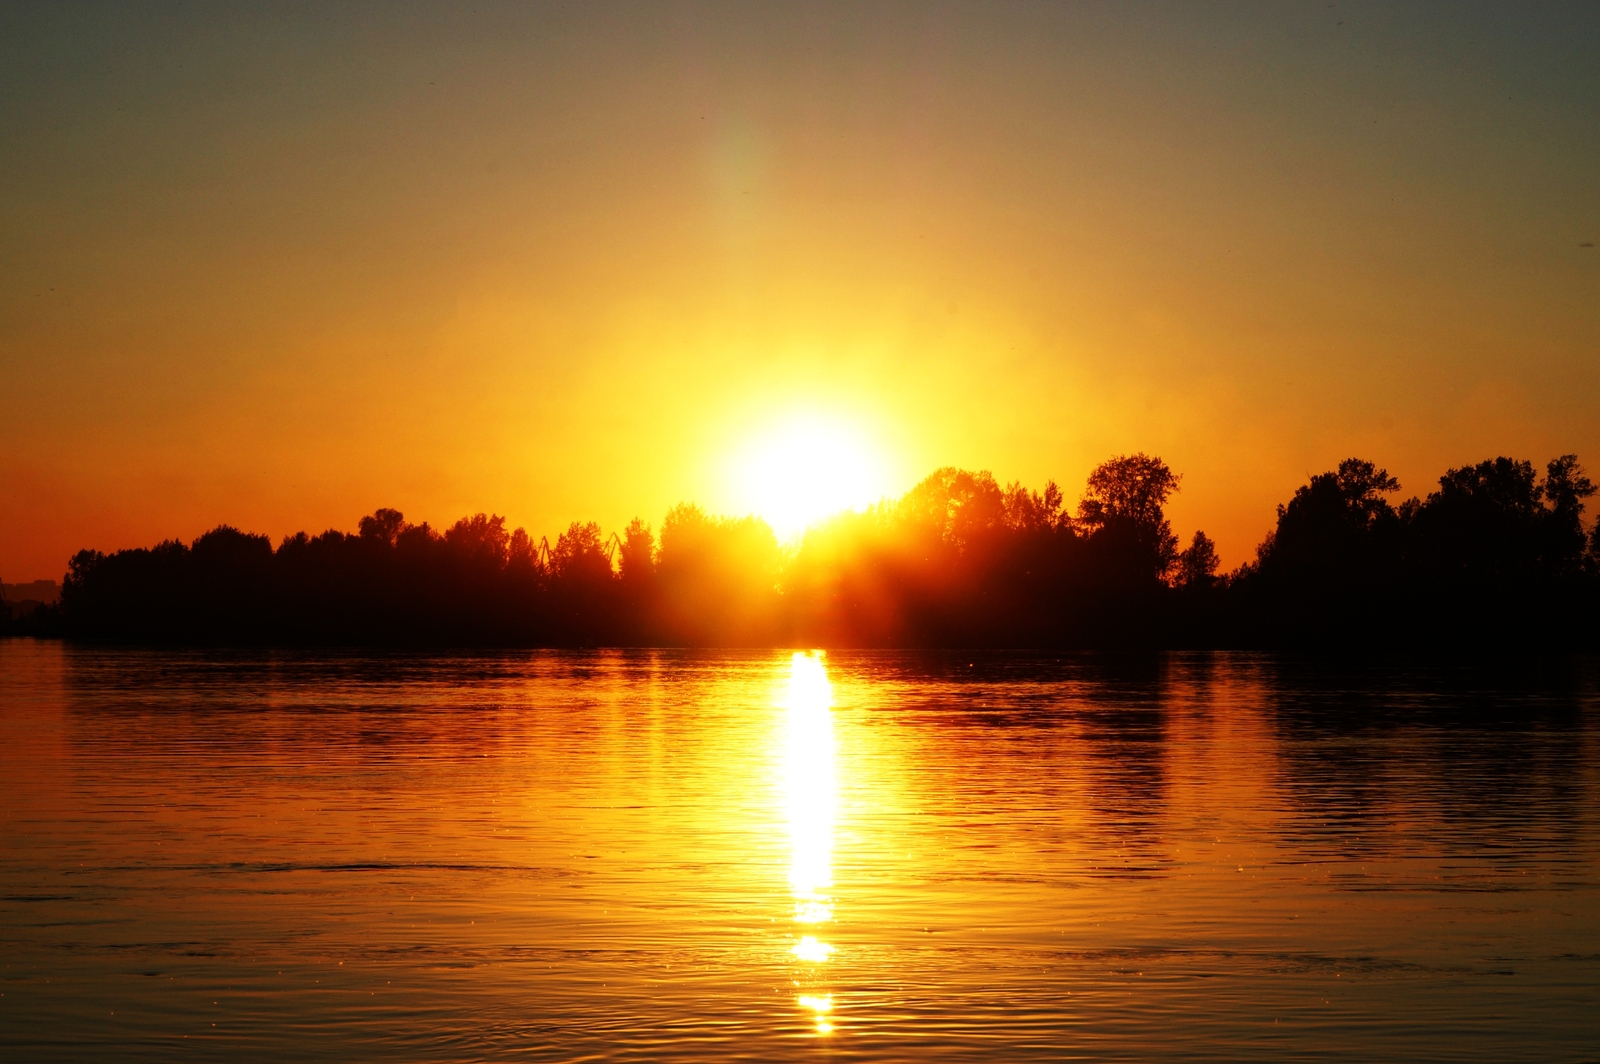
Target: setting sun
805,469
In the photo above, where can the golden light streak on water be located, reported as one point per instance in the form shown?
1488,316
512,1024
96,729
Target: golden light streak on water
821,1006
811,804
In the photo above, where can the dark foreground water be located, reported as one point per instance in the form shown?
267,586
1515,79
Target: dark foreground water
678,856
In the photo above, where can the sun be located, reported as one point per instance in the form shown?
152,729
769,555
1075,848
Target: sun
804,469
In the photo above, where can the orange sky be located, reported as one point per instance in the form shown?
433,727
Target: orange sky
281,268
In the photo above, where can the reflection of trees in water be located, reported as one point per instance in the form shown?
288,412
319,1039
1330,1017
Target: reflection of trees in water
1391,761
1125,777
1388,762
1085,735
370,706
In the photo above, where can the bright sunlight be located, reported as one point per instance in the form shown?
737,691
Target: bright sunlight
811,797
805,469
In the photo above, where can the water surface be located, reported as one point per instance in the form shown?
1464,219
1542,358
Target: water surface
705,856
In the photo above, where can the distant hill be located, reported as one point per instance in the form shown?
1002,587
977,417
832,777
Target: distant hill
33,608
42,592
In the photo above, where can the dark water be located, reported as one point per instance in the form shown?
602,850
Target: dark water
675,856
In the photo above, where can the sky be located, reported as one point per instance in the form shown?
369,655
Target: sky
280,265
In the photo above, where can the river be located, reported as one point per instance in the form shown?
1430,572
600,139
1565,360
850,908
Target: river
702,856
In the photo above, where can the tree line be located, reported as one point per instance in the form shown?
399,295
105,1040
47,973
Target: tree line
1496,554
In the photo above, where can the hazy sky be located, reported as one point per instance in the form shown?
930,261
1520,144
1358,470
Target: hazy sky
280,265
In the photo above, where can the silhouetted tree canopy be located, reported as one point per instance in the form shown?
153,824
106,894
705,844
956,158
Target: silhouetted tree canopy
1497,555
1198,564
717,579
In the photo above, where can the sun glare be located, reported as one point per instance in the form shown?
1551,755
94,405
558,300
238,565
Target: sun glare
806,469
811,801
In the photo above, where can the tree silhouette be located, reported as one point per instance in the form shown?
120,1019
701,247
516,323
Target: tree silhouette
1198,563
1123,510
1498,555
384,525
718,579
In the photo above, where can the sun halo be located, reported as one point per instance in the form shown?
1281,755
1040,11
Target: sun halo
805,470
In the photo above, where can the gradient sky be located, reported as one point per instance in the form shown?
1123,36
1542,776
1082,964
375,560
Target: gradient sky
280,265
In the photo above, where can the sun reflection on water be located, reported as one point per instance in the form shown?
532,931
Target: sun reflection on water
811,798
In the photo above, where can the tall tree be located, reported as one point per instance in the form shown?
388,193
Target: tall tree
1123,509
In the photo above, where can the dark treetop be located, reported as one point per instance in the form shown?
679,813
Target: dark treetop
1496,555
